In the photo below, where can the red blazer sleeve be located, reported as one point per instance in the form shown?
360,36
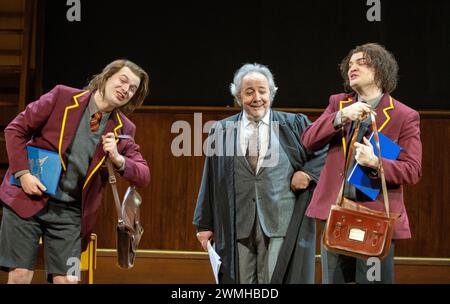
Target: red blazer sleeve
321,131
20,130
136,167
406,169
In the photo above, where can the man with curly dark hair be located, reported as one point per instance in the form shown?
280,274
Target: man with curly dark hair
370,72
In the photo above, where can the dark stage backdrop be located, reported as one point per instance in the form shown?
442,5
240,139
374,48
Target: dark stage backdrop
192,48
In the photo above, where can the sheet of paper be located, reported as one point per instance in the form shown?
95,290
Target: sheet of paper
214,258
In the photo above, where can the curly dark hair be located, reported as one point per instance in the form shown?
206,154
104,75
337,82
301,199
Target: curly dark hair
377,57
98,82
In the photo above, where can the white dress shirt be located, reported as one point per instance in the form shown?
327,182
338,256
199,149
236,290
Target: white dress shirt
245,130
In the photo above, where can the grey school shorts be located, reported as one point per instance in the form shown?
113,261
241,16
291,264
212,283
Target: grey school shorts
59,225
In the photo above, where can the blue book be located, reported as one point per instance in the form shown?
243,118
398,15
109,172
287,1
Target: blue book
45,165
359,176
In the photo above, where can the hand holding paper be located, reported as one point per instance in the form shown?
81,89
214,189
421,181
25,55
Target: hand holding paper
203,237
214,258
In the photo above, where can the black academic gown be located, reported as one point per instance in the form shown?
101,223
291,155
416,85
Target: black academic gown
215,208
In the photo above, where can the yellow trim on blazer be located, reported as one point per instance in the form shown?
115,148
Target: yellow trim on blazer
386,113
93,171
119,126
104,157
63,126
344,144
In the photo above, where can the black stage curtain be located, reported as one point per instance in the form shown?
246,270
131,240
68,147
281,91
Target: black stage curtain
192,48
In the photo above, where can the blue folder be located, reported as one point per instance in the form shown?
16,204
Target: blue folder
359,176
45,165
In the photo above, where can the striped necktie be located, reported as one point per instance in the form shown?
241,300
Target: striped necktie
95,121
253,147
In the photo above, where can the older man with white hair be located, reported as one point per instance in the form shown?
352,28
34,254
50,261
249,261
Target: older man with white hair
252,201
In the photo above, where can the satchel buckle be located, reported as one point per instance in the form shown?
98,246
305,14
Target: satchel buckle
337,229
112,179
377,235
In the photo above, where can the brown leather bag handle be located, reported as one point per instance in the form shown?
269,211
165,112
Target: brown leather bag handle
113,182
380,168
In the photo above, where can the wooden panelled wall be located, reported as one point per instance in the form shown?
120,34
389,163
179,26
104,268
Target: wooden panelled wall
170,199
20,53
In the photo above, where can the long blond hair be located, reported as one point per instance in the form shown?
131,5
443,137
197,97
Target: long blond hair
98,82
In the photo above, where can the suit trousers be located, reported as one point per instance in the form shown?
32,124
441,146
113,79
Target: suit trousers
257,256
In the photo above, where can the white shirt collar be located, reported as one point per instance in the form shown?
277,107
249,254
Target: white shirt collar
265,119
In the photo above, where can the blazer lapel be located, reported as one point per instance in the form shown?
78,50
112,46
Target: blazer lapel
70,122
343,104
114,124
383,111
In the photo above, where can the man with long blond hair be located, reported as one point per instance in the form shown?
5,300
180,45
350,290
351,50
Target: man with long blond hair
82,127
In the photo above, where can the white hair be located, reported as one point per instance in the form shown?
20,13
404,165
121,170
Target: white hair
247,68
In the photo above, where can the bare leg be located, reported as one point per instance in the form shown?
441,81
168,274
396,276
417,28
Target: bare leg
62,279
20,276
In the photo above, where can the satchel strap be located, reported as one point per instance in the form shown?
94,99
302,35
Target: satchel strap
113,182
340,197
380,164
350,149
380,167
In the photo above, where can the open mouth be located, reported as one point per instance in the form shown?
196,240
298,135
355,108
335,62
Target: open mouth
120,96
353,76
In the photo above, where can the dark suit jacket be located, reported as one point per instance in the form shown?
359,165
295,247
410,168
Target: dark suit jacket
395,120
215,208
51,123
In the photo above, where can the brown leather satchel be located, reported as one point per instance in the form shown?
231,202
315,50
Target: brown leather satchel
129,228
355,230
